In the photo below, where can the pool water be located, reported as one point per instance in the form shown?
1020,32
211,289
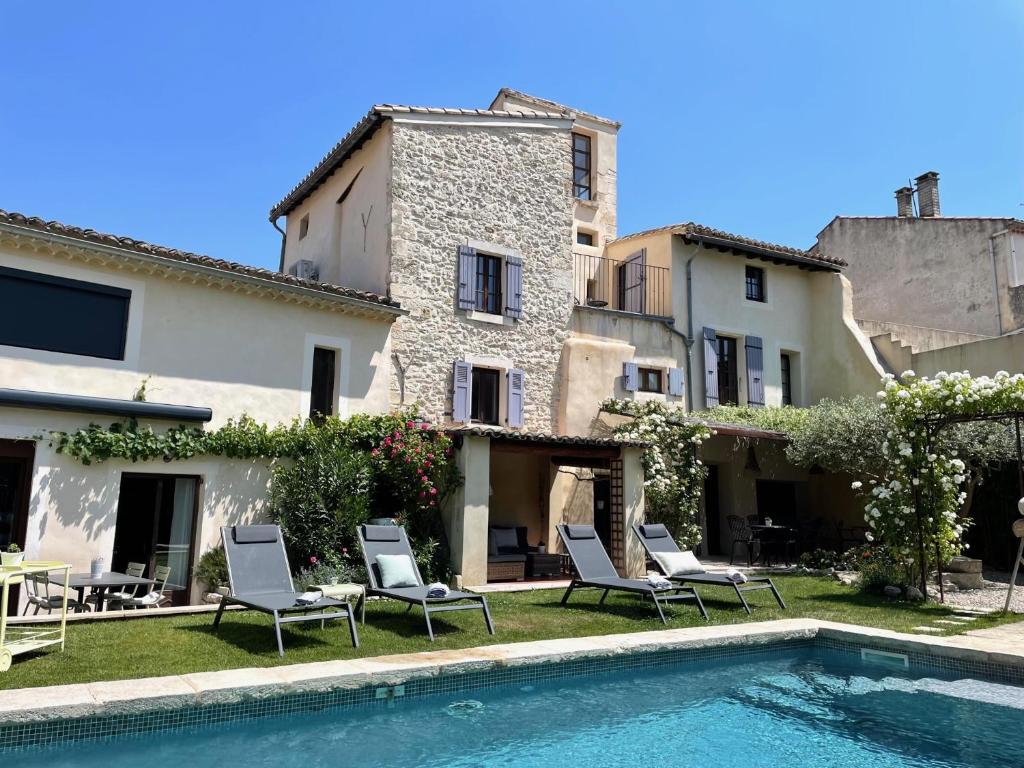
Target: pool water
809,708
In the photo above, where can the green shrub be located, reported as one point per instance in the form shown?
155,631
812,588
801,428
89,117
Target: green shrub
212,569
881,567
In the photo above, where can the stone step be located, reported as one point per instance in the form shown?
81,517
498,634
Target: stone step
928,630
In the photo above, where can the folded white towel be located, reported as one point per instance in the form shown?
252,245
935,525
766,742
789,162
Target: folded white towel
309,598
735,576
658,581
437,589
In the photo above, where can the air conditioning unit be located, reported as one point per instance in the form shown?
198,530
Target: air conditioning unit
304,269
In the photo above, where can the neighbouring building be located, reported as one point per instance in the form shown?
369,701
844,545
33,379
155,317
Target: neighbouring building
87,320
934,292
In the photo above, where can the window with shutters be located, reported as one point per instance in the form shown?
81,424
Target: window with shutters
582,161
485,389
649,379
755,284
488,284
322,389
728,386
786,364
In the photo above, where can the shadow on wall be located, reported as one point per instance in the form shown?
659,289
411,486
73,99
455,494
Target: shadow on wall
77,499
236,494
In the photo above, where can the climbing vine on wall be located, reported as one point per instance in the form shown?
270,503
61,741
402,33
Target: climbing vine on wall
674,475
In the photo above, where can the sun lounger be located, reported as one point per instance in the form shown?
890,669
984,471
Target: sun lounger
656,538
261,580
377,540
595,569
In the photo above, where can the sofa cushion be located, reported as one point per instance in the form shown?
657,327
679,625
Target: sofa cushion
678,563
506,559
505,540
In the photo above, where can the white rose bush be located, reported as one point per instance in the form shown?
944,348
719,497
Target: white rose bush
916,498
674,474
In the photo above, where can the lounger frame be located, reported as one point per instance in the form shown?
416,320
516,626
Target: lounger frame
414,596
610,580
752,584
279,603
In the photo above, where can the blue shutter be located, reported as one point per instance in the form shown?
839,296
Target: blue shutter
630,377
467,277
462,391
514,286
755,371
516,396
710,368
675,382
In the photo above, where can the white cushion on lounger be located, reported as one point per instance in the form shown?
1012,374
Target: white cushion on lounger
396,571
678,563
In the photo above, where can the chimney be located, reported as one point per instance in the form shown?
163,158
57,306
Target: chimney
928,194
905,202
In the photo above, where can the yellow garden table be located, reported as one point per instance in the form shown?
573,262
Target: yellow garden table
22,639
344,592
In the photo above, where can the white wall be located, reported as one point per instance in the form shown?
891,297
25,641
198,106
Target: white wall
203,346
335,239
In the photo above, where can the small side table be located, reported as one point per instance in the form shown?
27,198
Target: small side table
540,564
345,592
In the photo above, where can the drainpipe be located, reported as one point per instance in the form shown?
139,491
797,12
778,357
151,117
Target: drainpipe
689,331
995,276
280,266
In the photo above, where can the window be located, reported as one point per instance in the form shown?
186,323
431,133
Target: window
787,379
650,379
303,226
584,238
61,315
484,404
755,284
728,389
581,163
321,392
488,284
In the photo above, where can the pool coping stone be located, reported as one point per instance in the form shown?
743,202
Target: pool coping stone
147,695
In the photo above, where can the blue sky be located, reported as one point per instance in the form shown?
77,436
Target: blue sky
183,123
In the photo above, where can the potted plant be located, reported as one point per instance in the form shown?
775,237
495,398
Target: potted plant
13,556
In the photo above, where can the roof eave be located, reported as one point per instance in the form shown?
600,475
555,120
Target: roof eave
307,291
778,257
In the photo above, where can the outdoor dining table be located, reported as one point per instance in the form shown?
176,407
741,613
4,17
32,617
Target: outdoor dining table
772,537
100,584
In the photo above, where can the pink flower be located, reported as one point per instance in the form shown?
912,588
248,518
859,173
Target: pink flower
419,471
433,491
426,464
409,425
313,559
424,478
424,426
344,550
387,441
375,452
423,494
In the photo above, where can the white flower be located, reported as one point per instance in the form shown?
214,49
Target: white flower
908,374
856,485
869,537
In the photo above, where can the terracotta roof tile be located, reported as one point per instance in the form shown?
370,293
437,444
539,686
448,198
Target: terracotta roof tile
783,253
186,258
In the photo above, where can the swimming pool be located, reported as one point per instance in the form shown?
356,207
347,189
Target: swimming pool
798,705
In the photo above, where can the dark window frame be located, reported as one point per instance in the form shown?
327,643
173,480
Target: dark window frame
326,390
786,370
304,226
728,371
481,412
650,380
582,163
488,288
81,286
587,237
755,283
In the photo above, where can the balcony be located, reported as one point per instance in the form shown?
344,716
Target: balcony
624,286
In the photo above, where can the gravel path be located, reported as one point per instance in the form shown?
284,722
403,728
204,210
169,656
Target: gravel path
992,597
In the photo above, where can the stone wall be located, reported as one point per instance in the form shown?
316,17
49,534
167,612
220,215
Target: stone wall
505,185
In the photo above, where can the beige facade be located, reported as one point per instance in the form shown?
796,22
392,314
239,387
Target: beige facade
199,333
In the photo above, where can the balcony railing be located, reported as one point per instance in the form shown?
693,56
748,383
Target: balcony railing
630,285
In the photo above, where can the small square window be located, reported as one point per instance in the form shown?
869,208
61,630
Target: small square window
584,238
755,284
303,226
650,379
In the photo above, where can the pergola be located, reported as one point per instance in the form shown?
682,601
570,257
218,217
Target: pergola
933,426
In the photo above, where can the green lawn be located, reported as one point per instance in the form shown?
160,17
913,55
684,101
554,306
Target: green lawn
108,650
